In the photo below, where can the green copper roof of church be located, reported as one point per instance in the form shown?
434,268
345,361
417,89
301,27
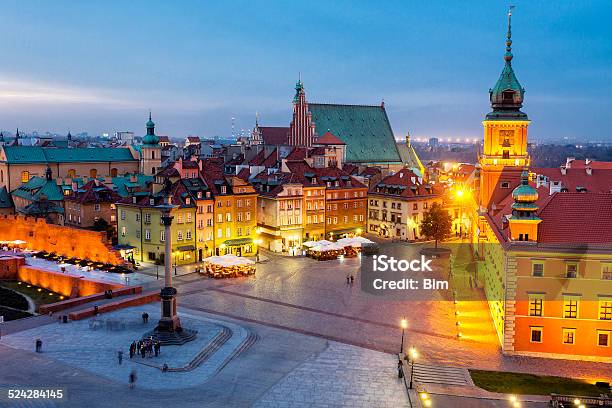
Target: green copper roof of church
5,198
35,154
365,130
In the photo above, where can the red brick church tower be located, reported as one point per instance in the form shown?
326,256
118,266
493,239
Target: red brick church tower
302,129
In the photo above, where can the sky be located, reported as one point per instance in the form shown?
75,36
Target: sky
100,66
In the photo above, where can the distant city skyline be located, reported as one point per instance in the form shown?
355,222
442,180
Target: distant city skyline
99,68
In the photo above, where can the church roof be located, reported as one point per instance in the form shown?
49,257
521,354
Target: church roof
364,128
329,139
36,187
410,158
274,135
5,198
36,154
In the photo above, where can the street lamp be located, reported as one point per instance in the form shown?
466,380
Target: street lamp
413,356
404,326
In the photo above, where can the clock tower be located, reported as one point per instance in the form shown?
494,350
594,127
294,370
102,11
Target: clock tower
504,154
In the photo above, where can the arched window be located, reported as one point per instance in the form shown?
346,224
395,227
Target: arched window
25,176
72,173
153,170
152,154
93,173
114,172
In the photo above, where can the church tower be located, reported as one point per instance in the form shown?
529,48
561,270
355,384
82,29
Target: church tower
504,152
302,129
150,155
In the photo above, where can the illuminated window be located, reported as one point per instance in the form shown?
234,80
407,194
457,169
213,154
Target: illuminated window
72,173
25,176
536,334
570,307
605,309
569,336
536,305
93,173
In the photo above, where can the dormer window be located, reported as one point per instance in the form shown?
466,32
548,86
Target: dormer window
151,201
508,97
199,194
187,200
223,189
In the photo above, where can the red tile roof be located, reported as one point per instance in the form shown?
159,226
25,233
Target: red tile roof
599,181
274,135
582,164
297,154
405,183
576,218
244,174
94,192
329,139
193,139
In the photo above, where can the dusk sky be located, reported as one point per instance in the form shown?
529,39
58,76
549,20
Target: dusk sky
99,66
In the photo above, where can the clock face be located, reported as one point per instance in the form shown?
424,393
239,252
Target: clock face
506,137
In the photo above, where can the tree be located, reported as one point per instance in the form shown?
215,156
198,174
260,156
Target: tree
436,224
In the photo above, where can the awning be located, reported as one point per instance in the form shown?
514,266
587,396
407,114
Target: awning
186,248
238,241
345,231
124,246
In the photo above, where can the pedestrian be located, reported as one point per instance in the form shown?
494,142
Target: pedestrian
120,356
132,379
347,279
352,279
165,368
142,351
96,310
156,348
145,318
132,350
38,345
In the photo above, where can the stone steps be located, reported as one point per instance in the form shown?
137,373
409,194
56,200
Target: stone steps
211,348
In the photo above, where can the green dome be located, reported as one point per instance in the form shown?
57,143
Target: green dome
150,140
525,193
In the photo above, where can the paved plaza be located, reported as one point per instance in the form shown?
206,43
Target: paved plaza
300,336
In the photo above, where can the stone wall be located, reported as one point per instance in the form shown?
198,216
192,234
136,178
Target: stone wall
9,266
65,241
67,285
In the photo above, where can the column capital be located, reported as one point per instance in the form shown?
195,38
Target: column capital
167,219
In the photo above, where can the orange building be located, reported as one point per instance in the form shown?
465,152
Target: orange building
545,238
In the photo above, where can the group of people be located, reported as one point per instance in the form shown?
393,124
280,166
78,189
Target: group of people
350,279
145,347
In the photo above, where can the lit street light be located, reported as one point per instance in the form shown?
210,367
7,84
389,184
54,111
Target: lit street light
413,355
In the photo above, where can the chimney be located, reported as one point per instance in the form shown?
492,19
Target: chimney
564,170
133,178
589,170
134,200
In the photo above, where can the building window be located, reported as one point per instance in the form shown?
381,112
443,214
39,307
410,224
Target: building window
220,233
571,270
223,189
536,334
605,309
25,176
147,218
415,206
123,214
96,207
179,219
228,232
93,173
603,338
188,235
228,217
162,235
504,184
239,231
537,268
148,234
209,222
247,216
123,231
137,217
569,336
606,271
570,307
188,217
179,236
72,173
536,305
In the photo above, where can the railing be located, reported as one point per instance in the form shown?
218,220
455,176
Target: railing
567,401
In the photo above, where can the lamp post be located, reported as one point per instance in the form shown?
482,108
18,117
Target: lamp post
413,356
404,326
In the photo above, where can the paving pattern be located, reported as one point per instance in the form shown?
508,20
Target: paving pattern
341,376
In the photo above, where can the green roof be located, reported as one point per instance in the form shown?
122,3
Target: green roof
36,187
410,158
365,130
238,241
123,184
35,154
5,198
